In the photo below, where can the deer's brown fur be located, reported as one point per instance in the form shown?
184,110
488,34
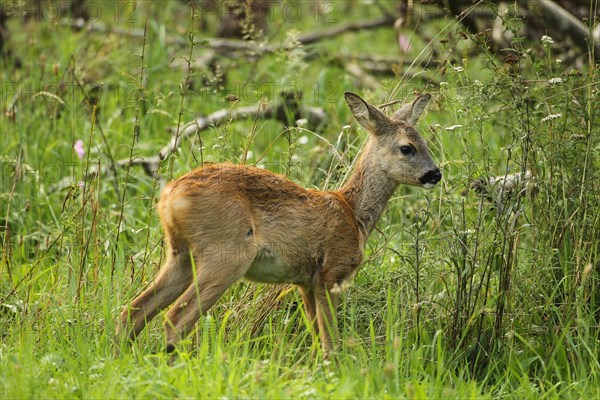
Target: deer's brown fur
232,221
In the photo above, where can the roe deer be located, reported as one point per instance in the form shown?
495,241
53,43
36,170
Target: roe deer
232,221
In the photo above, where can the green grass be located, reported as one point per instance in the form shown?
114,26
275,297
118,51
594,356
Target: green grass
459,297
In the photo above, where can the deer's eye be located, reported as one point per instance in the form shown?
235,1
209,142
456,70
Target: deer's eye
406,150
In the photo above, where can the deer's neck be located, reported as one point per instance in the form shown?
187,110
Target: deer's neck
368,191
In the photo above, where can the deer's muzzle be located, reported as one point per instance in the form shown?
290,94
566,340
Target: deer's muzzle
431,178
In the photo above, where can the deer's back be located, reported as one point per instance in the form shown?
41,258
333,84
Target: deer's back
288,224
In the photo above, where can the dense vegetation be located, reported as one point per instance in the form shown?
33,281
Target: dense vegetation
469,290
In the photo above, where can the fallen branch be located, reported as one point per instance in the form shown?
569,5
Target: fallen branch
314,37
497,189
287,109
373,64
562,22
365,79
220,44
202,123
363,67
502,183
234,45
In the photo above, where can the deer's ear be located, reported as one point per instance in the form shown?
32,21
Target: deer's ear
412,111
369,117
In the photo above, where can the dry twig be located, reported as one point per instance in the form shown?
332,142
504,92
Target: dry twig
150,165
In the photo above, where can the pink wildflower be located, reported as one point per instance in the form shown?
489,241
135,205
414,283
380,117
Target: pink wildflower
78,147
403,42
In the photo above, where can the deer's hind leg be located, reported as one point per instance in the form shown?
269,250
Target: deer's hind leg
326,304
173,278
215,274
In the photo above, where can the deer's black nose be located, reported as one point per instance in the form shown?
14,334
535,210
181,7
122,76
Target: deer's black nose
433,176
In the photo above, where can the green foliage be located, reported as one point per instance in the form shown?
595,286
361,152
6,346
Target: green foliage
462,295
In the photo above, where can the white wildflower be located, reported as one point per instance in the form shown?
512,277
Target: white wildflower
555,81
459,69
551,117
303,139
311,392
547,40
301,122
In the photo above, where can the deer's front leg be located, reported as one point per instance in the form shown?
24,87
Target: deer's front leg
326,304
310,307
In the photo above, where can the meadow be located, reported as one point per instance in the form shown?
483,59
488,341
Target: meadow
470,290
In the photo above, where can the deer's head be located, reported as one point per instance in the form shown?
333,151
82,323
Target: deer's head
395,147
